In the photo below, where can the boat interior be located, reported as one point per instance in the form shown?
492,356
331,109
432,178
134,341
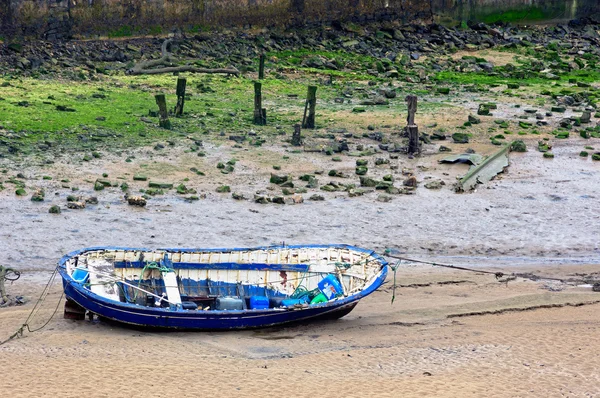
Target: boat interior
238,279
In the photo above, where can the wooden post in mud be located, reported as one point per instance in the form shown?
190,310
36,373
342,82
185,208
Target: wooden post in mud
3,296
412,129
163,113
296,137
181,83
308,121
260,114
261,67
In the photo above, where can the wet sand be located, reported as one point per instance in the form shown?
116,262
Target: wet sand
421,345
540,216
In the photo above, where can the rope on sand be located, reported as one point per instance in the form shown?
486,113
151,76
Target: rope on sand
26,325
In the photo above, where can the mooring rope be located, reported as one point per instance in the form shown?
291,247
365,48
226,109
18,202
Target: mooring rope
497,274
26,325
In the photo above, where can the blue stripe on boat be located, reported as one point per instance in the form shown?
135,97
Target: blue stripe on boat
220,266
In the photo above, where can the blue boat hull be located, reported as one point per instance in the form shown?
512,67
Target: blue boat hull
171,318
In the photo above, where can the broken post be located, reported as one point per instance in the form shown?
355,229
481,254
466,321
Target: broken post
261,67
181,83
163,114
3,295
308,121
296,137
411,128
260,114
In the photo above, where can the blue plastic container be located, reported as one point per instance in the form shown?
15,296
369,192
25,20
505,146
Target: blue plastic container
331,287
80,275
259,302
293,301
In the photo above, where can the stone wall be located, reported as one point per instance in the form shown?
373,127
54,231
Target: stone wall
514,11
59,19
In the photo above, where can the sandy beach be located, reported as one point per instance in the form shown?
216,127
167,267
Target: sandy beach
522,339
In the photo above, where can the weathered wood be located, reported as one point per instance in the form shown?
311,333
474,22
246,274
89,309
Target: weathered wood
296,137
261,67
411,102
181,84
260,114
73,311
3,296
308,121
412,129
163,113
413,140
147,67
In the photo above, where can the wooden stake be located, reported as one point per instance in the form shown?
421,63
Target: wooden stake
163,114
261,67
181,83
412,129
308,121
296,137
260,114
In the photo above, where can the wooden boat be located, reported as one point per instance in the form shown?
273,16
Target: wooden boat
219,288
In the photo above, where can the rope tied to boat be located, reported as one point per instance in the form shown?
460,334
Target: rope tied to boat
27,324
497,274
394,268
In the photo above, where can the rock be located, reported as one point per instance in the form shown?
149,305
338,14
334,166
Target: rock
483,110
92,200
415,56
586,117
384,198
559,109
279,179
436,184
361,170
518,146
238,196
76,205
136,200
54,210
316,197
367,182
38,196
263,200
460,138
473,120
444,149
410,182
278,200
294,200
388,93
160,185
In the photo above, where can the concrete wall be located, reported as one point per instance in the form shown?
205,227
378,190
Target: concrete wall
514,11
57,19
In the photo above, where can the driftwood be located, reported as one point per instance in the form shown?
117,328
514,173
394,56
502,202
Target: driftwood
150,67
